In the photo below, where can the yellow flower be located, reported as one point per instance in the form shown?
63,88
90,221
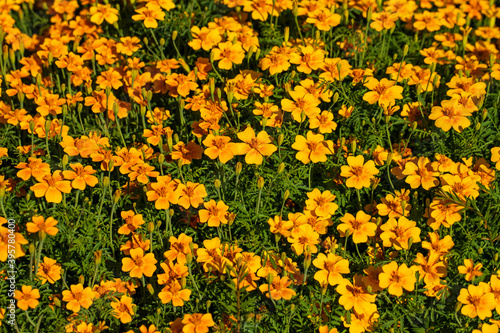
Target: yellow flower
358,173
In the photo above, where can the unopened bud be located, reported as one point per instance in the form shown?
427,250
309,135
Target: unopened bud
174,35
260,183
65,161
151,226
98,257
105,181
287,34
239,167
286,194
150,288
281,167
281,137
81,279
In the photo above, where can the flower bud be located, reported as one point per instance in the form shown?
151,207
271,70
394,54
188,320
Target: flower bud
353,147
57,301
65,161
281,137
81,279
458,306
189,258
484,114
174,35
32,249
217,184
260,183
98,257
151,226
281,167
162,41
270,278
150,288
116,196
405,50
105,181
161,159
286,194
287,34
239,167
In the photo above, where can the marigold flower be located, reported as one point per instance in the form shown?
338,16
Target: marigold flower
358,173
323,19
477,301
219,146
398,232
191,194
101,12
355,295
397,278
324,122
421,173
150,16
51,186
179,248
279,226
279,288
42,225
302,237
384,92
440,246
204,38
308,59
470,270
430,268
142,172
361,322
360,227
303,105
197,323
78,297
228,54
450,114
132,222
163,192
254,147
27,297
81,176
313,148
321,203
331,267
174,293
6,242
214,214
495,156
49,270
139,264
123,309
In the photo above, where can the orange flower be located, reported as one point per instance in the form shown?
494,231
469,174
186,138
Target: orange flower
278,225
279,288
324,122
110,78
179,248
101,12
354,295
42,225
495,156
313,149
396,278
78,297
191,194
149,16
430,269
219,146
359,227
276,63
477,301
51,187
81,176
303,105
421,173
163,193
204,38
470,270
308,59
142,172
228,54
397,233
6,239
49,270
254,147
358,173
27,297
321,203
450,114
197,323
123,309
214,214
384,92
323,19
331,267
174,293
302,237
139,264
132,222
